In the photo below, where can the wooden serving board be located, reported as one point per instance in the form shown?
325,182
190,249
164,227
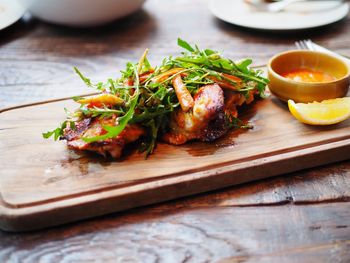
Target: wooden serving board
43,184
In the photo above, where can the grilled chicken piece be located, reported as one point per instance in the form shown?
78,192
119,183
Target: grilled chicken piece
94,127
234,99
206,121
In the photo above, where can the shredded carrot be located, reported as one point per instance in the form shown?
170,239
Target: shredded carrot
163,76
144,76
227,84
231,77
102,99
129,82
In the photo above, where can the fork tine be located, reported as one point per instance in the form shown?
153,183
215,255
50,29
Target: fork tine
297,44
305,45
300,44
310,45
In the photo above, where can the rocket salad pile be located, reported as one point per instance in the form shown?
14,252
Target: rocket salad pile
190,97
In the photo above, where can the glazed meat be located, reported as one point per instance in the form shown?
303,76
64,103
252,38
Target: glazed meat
233,99
94,127
205,122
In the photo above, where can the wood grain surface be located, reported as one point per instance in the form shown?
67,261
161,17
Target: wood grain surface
62,186
305,214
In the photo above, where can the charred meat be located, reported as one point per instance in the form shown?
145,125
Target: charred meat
205,121
108,147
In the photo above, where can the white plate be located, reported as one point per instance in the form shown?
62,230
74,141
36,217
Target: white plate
10,12
301,15
81,13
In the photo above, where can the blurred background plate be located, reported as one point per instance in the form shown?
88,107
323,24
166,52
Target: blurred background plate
296,16
10,12
81,13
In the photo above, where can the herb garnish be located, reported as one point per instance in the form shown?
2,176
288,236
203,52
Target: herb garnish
150,97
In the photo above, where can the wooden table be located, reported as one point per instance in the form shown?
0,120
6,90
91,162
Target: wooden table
300,217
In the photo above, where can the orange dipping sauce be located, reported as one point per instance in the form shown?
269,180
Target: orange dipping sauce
308,75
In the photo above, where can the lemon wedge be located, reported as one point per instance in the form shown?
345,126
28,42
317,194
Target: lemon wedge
321,113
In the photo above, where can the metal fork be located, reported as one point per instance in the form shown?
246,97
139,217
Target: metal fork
307,44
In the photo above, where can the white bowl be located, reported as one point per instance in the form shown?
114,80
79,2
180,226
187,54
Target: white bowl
81,13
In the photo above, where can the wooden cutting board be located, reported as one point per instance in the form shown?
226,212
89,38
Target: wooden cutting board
43,184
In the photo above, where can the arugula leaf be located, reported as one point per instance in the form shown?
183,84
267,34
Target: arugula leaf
243,65
76,98
57,133
236,123
185,45
146,65
112,87
141,67
113,131
209,52
86,80
99,112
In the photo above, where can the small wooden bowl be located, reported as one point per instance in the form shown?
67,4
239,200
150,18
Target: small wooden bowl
285,88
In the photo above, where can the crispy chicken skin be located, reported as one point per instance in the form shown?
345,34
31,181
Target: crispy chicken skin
234,99
208,119
205,122
94,127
